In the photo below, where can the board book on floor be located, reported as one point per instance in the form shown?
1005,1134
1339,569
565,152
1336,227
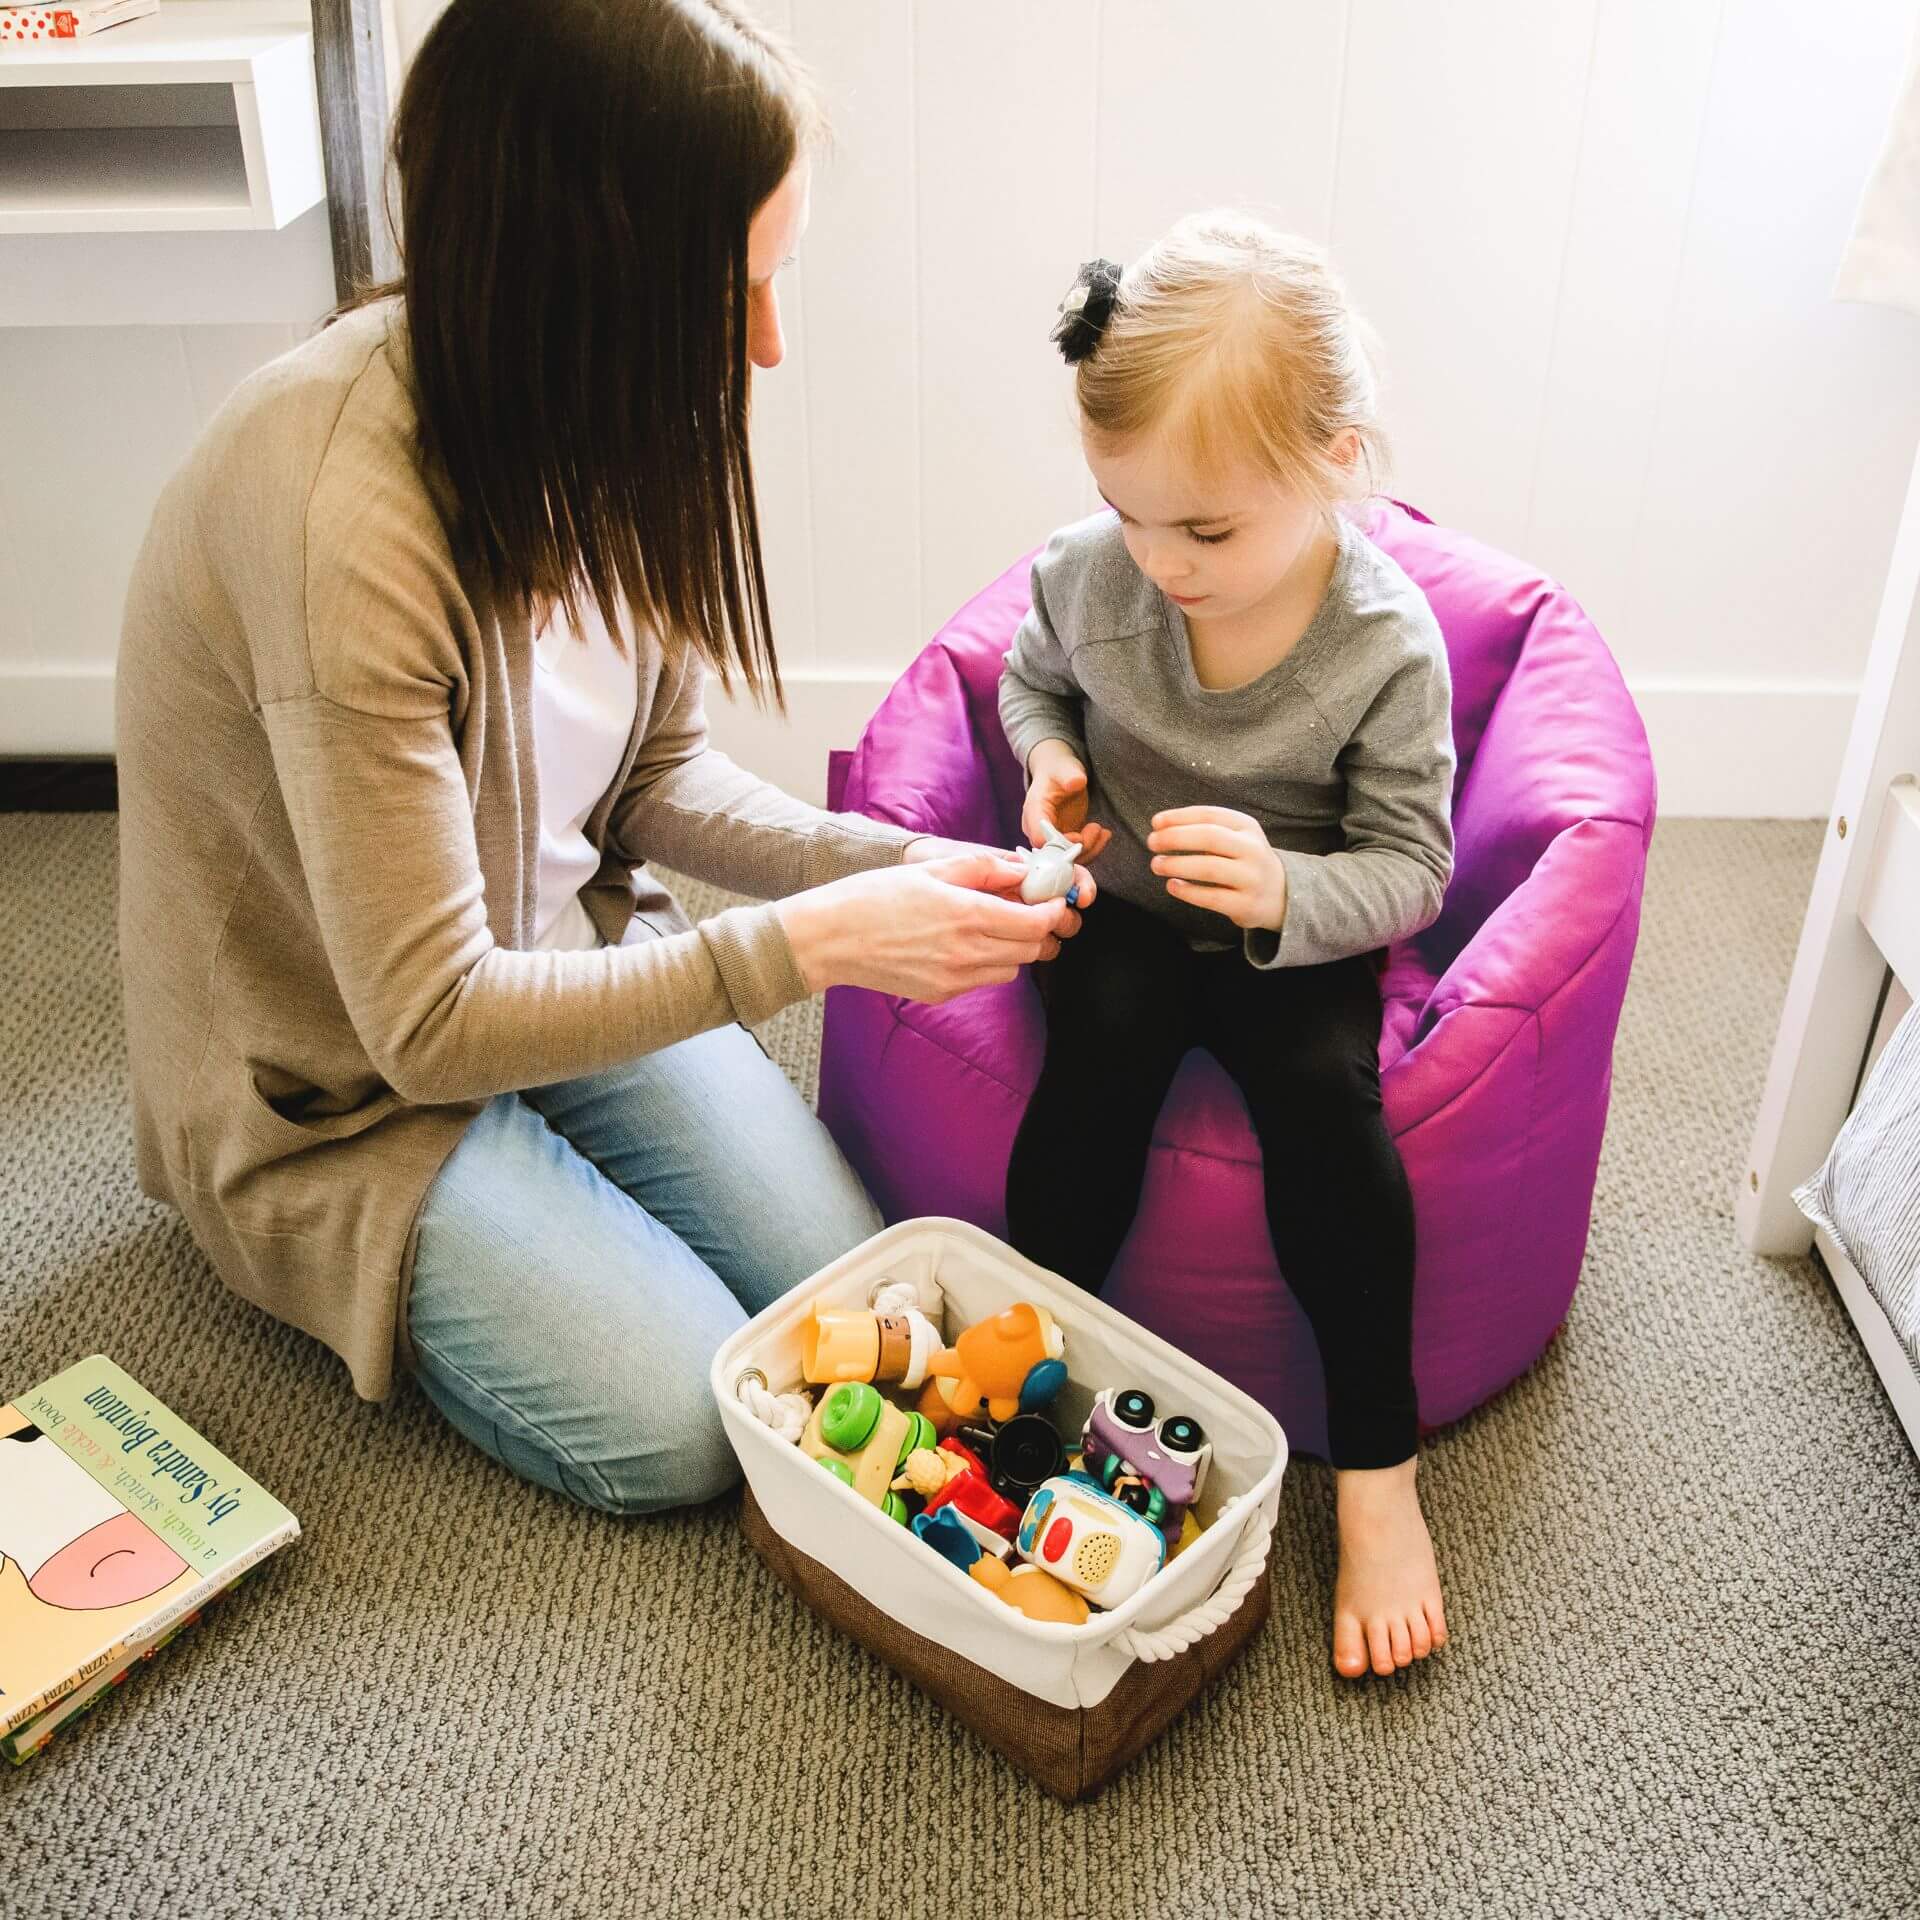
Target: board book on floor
118,1525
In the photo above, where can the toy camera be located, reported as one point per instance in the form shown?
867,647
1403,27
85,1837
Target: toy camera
1082,1535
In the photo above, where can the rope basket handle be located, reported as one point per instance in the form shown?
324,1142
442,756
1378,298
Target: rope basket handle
1249,1564
786,1413
888,1295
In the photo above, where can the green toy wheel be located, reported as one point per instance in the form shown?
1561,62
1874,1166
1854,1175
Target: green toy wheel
851,1413
921,1432
840,1471
895,1508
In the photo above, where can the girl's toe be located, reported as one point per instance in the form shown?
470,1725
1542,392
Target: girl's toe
1380,1644
1402,1643
1349,1648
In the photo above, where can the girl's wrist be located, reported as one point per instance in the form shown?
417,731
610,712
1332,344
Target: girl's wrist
1276,919
1051,754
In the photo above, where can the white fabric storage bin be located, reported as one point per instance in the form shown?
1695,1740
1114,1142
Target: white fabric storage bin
978,1276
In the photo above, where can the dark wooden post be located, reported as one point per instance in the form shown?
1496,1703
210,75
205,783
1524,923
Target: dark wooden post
349,61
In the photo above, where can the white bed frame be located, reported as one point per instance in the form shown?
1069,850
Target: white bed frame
1858,966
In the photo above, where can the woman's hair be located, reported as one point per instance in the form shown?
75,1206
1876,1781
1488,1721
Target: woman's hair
576,183
1238,345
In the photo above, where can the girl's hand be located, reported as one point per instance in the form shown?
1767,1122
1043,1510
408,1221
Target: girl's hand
1215,858
1057,795
925,930
931,847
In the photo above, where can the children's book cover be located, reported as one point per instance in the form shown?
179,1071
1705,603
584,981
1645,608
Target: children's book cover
117,1521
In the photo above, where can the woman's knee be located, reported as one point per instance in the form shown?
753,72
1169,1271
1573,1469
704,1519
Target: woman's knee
612,1410
650,1450
834,1218
685,1466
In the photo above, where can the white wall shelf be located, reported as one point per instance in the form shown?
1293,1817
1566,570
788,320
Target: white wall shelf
201,117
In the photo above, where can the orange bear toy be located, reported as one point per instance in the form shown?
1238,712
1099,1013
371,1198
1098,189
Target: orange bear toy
984,1370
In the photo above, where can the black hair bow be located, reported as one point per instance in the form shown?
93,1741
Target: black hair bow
1085,311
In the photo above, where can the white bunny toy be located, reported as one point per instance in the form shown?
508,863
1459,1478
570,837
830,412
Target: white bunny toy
1049,869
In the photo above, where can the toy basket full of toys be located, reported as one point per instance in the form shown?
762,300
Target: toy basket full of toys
1050,1519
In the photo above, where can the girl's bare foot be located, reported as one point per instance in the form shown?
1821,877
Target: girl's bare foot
1386,1603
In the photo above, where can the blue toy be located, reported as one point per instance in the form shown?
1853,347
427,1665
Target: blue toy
945,1532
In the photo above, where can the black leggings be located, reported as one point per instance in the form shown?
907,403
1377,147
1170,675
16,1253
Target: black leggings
1125,1000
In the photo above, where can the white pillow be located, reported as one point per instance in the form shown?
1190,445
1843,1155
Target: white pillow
1868,1193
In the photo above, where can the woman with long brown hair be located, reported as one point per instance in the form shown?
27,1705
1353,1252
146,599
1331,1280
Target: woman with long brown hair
411,689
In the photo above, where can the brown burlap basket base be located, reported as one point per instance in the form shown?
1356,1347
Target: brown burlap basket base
1071,1751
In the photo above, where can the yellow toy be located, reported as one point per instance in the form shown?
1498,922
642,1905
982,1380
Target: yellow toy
1010,1364
855,1343
862,1438
1036,1594
926,1470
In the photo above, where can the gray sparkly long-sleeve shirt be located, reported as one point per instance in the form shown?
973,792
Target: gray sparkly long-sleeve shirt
1343,752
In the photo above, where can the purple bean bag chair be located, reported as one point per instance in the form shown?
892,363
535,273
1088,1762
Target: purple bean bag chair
1497,1038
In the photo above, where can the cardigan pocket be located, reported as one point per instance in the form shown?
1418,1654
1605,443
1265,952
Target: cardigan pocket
262,1166
311,1127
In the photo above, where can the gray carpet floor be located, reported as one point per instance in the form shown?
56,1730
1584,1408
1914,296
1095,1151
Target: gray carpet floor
1682,1560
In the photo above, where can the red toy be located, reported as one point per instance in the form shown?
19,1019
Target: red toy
967,1491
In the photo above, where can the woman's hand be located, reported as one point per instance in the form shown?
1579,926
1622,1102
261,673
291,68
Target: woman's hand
1215,858
1057,796
925,930
931,847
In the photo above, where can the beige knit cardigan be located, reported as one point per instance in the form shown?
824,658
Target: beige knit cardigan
329,833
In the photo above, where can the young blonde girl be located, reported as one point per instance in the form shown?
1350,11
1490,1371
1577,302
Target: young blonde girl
1241,706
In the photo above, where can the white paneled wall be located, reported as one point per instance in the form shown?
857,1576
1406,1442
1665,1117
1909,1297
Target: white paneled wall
92,422
1596,239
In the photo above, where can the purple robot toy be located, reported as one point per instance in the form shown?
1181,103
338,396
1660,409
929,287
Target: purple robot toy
1156,1466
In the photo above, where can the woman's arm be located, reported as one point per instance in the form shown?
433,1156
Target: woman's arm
380,814
693,809
357,654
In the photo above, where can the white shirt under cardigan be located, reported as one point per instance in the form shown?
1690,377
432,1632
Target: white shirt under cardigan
585,696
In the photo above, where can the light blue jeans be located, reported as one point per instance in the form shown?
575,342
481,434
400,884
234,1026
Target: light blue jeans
589,1245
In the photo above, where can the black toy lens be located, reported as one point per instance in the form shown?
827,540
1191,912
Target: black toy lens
1026,1451
1133,1409
1137,1495
1182,1434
